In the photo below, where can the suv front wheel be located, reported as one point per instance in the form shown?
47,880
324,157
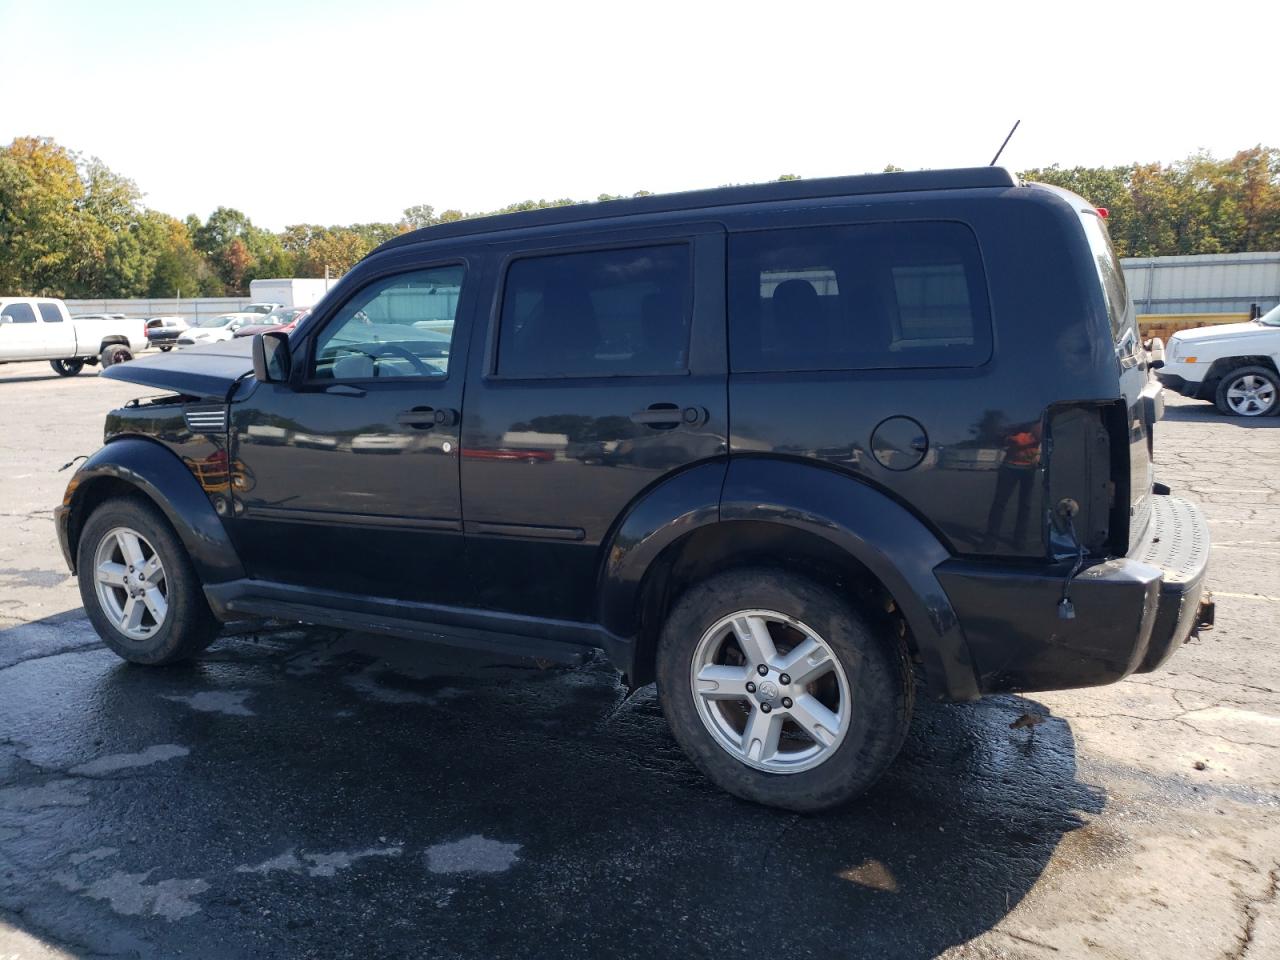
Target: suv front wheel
1249,392
138,586
782,691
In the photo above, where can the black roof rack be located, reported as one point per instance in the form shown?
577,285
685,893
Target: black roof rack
958,179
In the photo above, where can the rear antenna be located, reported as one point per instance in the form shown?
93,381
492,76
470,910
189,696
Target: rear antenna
1005,144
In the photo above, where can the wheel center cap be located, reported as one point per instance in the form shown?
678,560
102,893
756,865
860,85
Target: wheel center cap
768,690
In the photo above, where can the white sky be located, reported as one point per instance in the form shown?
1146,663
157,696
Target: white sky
336,112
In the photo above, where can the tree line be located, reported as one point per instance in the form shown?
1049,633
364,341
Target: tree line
71,227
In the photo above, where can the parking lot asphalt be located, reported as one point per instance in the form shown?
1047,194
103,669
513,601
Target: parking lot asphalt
308,793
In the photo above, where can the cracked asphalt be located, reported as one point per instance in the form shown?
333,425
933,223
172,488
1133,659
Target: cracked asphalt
310,793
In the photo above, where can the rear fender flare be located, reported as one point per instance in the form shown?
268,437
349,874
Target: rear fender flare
665,513
876,530
161,476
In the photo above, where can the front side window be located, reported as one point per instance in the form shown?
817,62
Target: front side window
19,313
400,326
50,313
622,312
862,297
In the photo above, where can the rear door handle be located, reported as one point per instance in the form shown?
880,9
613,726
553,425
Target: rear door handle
665,416
659,416
424,418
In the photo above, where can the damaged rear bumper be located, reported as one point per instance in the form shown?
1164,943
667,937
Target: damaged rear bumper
1132,612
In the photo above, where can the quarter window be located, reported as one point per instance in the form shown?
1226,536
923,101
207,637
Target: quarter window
863,297
19,312
50,313
398,327
622,312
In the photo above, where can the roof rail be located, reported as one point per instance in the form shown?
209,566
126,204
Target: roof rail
957,179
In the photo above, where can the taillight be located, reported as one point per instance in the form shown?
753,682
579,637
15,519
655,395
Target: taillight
1083,468
1104,213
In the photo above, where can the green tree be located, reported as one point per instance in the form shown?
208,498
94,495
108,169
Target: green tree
42,236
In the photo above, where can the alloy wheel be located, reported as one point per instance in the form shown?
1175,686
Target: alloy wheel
771,691
1251,395
130,582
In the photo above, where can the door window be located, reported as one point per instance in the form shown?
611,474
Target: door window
621,312
50,313
400,326
19,312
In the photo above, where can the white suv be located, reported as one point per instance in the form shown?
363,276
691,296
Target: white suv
1234,365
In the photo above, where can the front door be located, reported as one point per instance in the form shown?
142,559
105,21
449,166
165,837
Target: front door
21,334
604,373
346,478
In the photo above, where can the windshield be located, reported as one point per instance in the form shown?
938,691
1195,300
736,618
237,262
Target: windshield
257,308
1272,317
213,321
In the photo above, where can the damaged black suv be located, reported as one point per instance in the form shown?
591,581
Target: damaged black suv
792,450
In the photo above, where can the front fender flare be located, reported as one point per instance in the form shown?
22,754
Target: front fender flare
161,476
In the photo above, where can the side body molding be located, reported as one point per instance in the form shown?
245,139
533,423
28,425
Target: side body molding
877,531
160,475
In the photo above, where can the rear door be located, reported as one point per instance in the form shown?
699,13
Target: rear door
603,373
57,335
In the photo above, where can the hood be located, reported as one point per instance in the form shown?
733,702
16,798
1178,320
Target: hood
1225,330
207,372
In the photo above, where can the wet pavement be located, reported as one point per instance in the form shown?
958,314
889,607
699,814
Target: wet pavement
311,793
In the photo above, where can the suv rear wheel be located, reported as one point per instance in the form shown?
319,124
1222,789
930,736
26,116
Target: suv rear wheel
781,691
114,353
1249,392
138,586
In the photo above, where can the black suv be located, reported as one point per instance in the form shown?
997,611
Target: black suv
791,450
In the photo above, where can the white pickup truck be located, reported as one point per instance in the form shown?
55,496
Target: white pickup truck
39,328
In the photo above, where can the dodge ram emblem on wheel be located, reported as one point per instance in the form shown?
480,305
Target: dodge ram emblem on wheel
768,690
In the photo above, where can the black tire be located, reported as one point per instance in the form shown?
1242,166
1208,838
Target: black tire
166,349
114,353
188,626
1268,404
864,642
66,368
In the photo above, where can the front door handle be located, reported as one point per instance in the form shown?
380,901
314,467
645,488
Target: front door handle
424,418
420,418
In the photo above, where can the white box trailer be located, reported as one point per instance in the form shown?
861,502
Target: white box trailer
291,291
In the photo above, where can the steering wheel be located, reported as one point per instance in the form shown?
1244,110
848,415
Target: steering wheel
382,349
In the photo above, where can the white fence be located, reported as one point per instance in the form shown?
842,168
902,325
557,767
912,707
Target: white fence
194,309
1207,283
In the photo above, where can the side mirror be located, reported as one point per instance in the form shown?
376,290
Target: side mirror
271,357
233,326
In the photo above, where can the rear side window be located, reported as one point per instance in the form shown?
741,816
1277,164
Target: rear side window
19,312
622,312
1114,290
864,297
50,313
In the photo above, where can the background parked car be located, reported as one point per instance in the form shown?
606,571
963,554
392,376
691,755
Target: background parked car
281,319
211,329
263,307
163,332
1233,365
39,328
